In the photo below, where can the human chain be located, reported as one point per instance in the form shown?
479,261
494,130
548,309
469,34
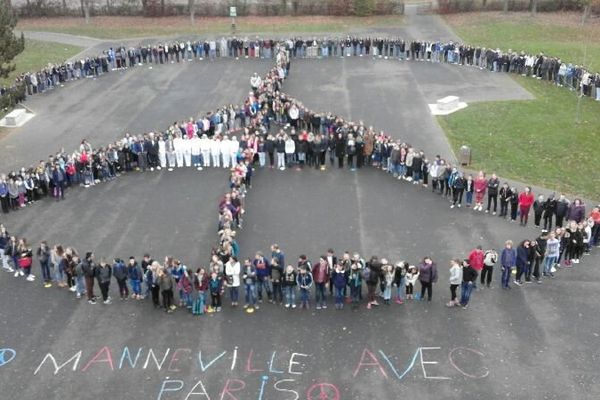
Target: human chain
540,66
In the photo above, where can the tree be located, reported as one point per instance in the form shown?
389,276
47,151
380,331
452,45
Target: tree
192,9
86,5
10,45
587,9
505,7
533,7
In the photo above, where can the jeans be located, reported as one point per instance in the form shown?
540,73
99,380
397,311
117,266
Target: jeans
136,286
266,284
548,263
465,292
320,298
250,289
234,293
304,293
506,272
80,285
355,293
339,295
290,295
45,270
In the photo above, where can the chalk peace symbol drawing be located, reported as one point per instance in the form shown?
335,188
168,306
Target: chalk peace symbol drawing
6,356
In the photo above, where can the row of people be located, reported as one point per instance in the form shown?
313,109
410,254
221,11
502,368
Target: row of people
270,278
541,66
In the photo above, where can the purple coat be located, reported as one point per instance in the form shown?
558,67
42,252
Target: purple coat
576,213
428,273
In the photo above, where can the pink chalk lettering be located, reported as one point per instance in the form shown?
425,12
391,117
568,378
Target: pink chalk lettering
249,367
105,351
232,385
364,362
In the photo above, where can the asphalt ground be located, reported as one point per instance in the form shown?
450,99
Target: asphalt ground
538,341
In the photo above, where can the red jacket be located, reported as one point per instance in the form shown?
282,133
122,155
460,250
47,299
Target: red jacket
321,272
526,200
480,185
476,259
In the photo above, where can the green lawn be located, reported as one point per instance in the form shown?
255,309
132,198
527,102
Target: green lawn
129,27
37,54
535,141
555,34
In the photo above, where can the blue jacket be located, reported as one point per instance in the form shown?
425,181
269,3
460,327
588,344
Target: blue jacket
522,256
134,272
508,258
304,280
263,268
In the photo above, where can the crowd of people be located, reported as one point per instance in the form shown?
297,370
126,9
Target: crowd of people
299,138
541,66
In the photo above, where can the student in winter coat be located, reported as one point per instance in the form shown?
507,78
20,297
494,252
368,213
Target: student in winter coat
480,186
338,276
215,286
514,204
523,261
355,283
412,275
120,273
455,280
320,273
249,279
276,276
469,275
525,202
263,276
165,283
576,211
88,267
304,281
427,276
104,274
490,257
371,275
549,212
492,189
562,208
135,274
399,277
289,286
504,199
538,210
43,254
508,260
232,276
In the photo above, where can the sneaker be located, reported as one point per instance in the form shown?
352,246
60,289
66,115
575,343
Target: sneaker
293,306
11,269
245,306
30,278
92,301
107,301
368,306
287,306
78,295
452,206
73,288
318,307
517,283
256,307
16,274
324,306
47,285
21,273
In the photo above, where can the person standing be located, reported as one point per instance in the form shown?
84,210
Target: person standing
480,187
427,276
355,283
523,261
88,268
492,189
320,273
525,201
552,252
504,199
455,280
469,277
43,254
289,286
562,208
304,281
371,275
475,258
549,212
165,283
538,210
249,277
508,260
490,257
232,274
103,273
120,273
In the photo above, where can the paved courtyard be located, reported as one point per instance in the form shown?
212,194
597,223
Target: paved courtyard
534,342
